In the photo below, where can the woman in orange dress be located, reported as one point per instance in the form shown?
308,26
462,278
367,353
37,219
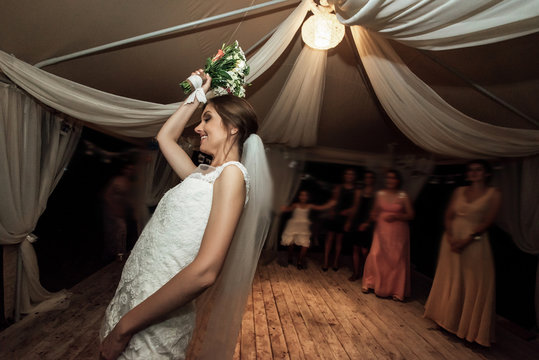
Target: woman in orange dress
462,296
387,268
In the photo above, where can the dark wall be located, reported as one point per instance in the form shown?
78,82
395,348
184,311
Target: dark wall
70,230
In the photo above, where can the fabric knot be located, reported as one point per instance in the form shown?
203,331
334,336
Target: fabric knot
31,238
196,81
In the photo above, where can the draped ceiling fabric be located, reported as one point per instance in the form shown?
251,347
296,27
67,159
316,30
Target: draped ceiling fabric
35,147
442,24
278,42
425,118
117,114
142,119
293,118
121,115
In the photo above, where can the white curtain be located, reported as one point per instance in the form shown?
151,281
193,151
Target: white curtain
286,166
519,215
415,172
442,24
117,114
293,117
35,147
425,118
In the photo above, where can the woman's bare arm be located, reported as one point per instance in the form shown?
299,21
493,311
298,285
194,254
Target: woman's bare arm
450,214
331,202
171,131
285,208
491,214
375,211
409,212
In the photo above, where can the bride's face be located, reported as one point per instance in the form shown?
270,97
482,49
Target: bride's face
212,131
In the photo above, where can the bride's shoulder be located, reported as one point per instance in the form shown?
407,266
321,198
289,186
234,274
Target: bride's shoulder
236,167
233,179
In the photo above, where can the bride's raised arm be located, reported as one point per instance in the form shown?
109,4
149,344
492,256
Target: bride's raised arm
173,128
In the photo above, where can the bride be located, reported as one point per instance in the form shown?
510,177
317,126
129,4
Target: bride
189,273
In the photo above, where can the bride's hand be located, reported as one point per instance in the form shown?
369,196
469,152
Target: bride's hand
206,79
113,345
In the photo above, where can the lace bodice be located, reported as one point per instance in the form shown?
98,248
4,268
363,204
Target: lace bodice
169,242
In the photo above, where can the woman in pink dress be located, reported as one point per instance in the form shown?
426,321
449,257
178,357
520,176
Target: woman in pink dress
461,299
387,268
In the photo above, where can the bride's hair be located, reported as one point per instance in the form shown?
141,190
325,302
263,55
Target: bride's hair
236,113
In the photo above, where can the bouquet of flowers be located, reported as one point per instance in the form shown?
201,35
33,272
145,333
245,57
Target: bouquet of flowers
227,69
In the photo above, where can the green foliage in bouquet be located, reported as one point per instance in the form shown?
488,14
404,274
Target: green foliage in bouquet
228,69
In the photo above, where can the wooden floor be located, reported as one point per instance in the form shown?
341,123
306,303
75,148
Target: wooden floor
292,314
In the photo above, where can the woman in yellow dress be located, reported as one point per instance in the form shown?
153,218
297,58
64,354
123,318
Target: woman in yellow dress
463,292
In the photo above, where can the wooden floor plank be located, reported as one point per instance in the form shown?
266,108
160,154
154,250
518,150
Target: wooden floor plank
341,314
236,355
364,320
247,333
312,319
418,338
290,314
289,331
335,331
390,312
306,342
262,338
275,328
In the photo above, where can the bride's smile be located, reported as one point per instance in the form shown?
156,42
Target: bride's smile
214,135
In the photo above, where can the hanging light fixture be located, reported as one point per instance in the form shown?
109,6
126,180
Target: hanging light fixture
322,31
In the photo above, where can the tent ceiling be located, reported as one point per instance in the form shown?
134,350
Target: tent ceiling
151,70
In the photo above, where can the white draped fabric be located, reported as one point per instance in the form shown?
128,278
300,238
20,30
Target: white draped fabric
278,42
442,24
293,118
117,114
121,115
35,147
286,168
415,172
428,120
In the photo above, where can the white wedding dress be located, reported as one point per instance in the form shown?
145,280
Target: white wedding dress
169,242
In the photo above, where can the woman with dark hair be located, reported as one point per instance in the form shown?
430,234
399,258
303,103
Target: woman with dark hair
387,268
362,226
461,299
345,200
202,242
